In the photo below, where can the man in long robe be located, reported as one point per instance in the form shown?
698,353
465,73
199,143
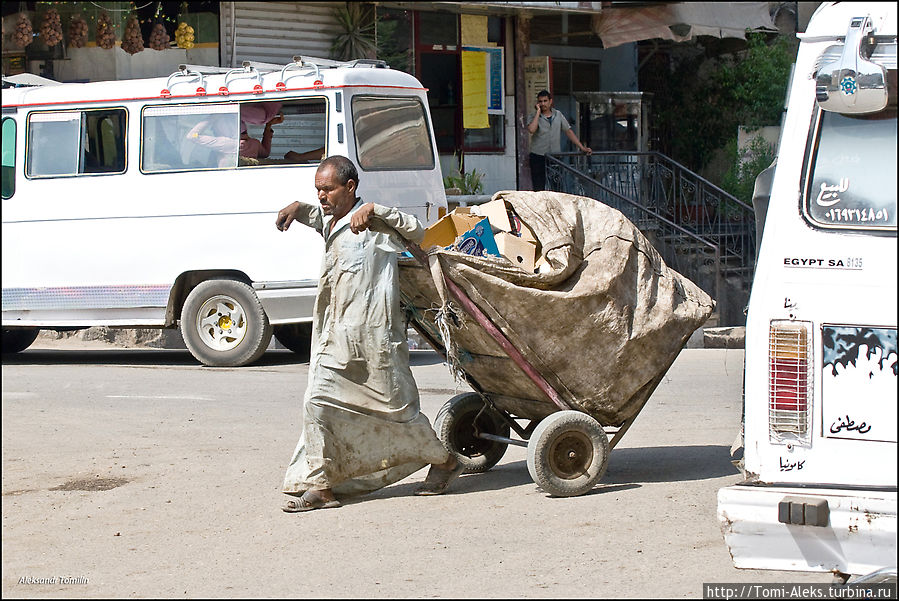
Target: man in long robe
362,428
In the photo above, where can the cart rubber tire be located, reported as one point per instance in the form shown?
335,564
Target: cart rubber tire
296,337
455,427
224,325
568,453
18,339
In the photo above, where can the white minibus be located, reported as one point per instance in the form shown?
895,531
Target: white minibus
142,203
819,425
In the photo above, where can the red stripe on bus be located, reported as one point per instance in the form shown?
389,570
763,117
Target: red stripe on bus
208,95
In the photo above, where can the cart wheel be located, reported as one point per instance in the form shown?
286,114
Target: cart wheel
455,425
568,453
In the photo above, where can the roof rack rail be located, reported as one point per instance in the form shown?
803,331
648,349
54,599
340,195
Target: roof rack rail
299,63
183,71
369,62
262,67
208,69
247,70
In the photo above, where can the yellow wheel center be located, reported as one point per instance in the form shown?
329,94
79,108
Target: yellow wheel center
225,322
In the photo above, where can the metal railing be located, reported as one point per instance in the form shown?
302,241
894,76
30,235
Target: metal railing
703,267
699,229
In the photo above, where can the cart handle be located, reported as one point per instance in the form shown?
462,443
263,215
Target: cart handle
482,318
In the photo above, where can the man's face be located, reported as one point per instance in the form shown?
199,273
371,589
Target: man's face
544,102
335,198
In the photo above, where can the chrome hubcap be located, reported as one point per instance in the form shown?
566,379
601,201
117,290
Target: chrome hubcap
221,323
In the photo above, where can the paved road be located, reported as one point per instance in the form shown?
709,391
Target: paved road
138,473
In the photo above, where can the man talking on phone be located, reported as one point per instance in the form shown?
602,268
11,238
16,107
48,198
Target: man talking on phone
546,127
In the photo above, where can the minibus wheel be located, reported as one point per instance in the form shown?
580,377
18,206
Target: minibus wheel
224,325
18,339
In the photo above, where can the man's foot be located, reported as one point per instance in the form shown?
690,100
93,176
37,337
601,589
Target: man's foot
311,499
439,477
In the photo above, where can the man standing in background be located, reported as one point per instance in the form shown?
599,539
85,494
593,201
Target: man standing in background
546,127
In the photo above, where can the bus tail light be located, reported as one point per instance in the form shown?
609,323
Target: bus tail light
790,369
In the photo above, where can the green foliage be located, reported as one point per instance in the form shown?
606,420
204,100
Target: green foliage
468,183
699,109
356,38
369,32
394,36
746,165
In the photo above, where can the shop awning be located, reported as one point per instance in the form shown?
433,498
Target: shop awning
27,79
680,21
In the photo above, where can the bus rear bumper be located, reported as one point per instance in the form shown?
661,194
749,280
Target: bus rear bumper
808,529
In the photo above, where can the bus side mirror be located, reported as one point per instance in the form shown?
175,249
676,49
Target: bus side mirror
852,84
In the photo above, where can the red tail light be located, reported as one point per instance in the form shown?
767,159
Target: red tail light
790,369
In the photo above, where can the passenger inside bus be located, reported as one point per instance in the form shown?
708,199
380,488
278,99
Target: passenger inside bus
268,113
254,149
215,134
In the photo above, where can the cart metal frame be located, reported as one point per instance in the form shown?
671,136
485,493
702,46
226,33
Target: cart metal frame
515,355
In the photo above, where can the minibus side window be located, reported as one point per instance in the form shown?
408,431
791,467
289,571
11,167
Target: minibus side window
9,157
852,171
225,136
391,133
299,139
53,143
102,151
75,143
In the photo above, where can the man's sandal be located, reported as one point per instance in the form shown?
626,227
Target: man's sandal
308,502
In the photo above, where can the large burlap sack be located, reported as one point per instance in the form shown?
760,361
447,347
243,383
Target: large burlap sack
602,326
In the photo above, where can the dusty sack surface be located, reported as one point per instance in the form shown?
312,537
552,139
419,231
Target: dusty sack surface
602,325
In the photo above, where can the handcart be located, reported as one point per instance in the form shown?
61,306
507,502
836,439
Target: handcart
567,448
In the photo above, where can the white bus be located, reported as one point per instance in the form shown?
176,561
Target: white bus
135,203
819,427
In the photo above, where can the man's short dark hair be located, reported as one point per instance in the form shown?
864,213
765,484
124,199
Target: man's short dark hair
544,93
344,168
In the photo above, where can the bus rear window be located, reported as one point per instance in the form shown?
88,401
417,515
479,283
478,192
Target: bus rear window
851,181
391,133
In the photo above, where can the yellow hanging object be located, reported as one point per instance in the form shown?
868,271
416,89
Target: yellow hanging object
184,36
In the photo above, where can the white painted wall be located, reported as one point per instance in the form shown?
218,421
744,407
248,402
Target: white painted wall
98,64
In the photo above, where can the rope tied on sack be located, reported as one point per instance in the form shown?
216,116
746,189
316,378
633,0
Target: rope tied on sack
446,316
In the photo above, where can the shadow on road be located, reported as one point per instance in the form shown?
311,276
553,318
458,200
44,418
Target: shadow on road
506,476
139,357
154,357
669,464
424,357
628,468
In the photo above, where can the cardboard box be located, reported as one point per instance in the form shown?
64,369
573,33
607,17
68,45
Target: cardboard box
478,241
526,233
497,212
451,226
519,251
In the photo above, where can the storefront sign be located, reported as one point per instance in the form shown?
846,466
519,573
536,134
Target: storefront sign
495,93
537,76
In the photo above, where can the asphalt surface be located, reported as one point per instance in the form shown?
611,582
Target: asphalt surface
139,473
